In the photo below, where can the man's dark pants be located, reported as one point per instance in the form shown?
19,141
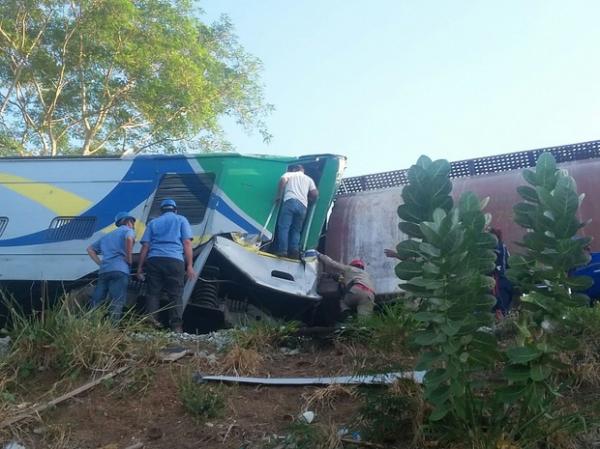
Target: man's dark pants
165,274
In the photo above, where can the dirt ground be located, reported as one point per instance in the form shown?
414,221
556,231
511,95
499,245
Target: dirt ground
142,405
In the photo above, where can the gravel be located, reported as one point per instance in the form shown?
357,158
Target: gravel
220,339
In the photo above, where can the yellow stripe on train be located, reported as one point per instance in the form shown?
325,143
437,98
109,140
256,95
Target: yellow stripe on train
59,201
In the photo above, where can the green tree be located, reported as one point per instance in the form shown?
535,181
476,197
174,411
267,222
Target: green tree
108,76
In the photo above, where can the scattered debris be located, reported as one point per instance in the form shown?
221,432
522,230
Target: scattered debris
289,351
4,346
173,353
376,379
135,446
221,339
14,445
210,358
40,408
349,435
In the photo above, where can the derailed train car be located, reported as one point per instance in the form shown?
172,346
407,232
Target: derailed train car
364,220
51,209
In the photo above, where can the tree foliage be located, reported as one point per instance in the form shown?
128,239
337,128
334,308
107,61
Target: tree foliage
445,263
551,251
107,76
488,394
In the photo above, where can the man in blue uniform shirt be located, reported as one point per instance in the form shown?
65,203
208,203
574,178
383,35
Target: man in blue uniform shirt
167,253
113,276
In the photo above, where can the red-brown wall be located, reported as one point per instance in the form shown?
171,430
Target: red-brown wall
364,224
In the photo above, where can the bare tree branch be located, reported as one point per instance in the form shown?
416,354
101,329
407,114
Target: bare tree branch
24,59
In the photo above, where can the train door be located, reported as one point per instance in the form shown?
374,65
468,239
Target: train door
314,169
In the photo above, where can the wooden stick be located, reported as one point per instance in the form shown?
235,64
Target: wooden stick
40,408
229,430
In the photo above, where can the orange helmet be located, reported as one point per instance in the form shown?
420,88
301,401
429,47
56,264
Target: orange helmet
358,263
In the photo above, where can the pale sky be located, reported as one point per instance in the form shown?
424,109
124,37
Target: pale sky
384,81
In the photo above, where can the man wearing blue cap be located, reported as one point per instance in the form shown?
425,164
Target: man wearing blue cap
113,275
167,246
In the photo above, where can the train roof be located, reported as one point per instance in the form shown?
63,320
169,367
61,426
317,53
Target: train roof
475,167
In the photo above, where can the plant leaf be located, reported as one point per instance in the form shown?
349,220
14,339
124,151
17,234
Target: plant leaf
523,354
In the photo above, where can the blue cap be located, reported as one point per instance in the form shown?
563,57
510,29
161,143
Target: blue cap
168,203
123,216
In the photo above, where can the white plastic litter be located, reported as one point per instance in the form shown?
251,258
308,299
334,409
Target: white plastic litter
308,416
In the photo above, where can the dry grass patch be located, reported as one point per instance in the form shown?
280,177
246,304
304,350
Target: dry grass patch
242,361
584,362
322,398
332,438
584,366
57,437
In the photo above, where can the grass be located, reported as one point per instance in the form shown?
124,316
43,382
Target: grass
203,401
263,335
392,414
387,331
300,435
64,341
137,381
584,363
7,398
146,343
67,339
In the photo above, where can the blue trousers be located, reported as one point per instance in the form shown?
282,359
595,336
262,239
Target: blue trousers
504,292
115,284
289,228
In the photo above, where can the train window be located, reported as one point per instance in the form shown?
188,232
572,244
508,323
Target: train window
191,192
3,223
71,228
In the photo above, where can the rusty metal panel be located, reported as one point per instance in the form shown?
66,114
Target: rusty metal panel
363,224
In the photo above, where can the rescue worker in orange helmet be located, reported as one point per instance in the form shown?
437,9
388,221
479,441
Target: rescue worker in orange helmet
358,285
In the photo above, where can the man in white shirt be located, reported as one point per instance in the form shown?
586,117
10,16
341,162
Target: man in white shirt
295,190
